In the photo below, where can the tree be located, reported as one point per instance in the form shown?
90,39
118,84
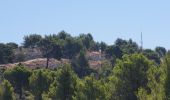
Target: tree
155,85
18,77
63,87
132,47
131,74
6,54
113,51
120,42
103,46
90,89
50,49
81,66
161,51
152,55
79,90
63,35
32,41
72,47
95,46
142,94
166,66
40,82
12,45
127,46
6,91
94,90
105,70
87,40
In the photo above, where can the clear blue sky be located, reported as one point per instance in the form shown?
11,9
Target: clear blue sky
105,19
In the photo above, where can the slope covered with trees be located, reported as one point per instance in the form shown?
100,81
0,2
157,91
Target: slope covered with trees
126,72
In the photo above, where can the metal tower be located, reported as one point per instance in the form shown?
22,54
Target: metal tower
141,41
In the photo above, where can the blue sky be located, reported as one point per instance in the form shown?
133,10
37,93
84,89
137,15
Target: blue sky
105,19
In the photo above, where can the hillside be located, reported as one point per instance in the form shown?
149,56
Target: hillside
82,69
95,60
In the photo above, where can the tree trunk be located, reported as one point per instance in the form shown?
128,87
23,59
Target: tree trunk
20,90
47,63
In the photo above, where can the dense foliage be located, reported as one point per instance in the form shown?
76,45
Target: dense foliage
127,71
6,53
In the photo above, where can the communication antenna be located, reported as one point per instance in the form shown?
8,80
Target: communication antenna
141,41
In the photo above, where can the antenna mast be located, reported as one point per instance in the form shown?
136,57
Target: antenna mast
141,41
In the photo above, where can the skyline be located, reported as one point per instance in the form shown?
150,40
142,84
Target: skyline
105,20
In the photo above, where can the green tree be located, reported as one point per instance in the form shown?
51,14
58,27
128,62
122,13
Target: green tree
142,94
156,81
71,48
63,87
63,35
6,91
79,90
12,45
114,87
113,51
161,51
90,89
151,55
87,40
103,46
40,82
18,77
32,40
131,73
6,54
94,89
166,66
105,70
81,66
95,46
127,46
50,49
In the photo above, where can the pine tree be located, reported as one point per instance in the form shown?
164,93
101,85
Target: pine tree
18,77
6,91
63,88
39,82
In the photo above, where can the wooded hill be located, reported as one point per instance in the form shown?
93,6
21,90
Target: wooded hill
83,69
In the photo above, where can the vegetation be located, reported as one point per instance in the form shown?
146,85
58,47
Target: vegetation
50,49
39,82
126,71
18,77
6,53
81,65
6,91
